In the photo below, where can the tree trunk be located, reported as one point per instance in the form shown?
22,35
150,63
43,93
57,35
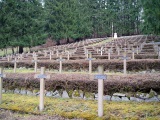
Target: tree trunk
29,49
20,49
17,49
12,50
6,51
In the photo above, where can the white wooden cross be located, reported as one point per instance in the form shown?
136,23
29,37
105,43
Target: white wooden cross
125,50
57,53
141,47
86,53
90,63
15,64
20,56
35,63
101,50
45,53
137,50
8,58
125,58
50,55
34,55
42,76
1,83
52,52
133,51
68,55
97,50
109,54
100,78
60,63
118,50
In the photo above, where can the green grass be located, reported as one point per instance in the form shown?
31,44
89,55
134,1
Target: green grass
102,42
24,70
87,109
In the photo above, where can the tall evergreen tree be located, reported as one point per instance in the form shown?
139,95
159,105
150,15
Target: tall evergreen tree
22,23
151,16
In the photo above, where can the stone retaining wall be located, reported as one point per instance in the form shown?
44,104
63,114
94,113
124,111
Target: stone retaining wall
79,94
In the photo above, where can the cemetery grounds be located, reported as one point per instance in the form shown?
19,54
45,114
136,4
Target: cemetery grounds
131,90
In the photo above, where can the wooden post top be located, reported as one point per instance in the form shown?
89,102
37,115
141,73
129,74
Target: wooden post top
42,75
124,57
90,57
101,75
15,60
60,58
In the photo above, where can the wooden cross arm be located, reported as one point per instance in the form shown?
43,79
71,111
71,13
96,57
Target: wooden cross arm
101,50
127,58
61,59
42,76
91,59
100,76
35,60
2,75
133,50
87,52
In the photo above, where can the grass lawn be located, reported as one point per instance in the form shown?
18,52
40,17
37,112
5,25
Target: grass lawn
86,109
102,42
31,70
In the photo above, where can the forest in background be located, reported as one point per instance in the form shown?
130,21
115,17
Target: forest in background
28,23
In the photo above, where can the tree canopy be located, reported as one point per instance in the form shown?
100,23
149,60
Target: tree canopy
28,23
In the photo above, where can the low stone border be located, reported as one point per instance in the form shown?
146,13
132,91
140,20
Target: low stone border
79,94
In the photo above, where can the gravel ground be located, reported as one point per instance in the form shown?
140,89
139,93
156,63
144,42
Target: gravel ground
9,115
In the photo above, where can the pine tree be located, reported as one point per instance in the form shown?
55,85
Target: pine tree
23,23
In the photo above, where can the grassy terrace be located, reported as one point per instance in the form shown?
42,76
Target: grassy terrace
31,70
102,42
86,109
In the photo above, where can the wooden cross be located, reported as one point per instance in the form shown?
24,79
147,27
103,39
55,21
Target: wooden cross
68,55
118,50
15,64
101,50
50,55
83,42
125,58
35,63
20,56
109,54
42,76
86,53
57,53
141,47
1,82
137,50
100,78
133,51
8,58
60,63
34,55
90,63
45,53
52,52
125,50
